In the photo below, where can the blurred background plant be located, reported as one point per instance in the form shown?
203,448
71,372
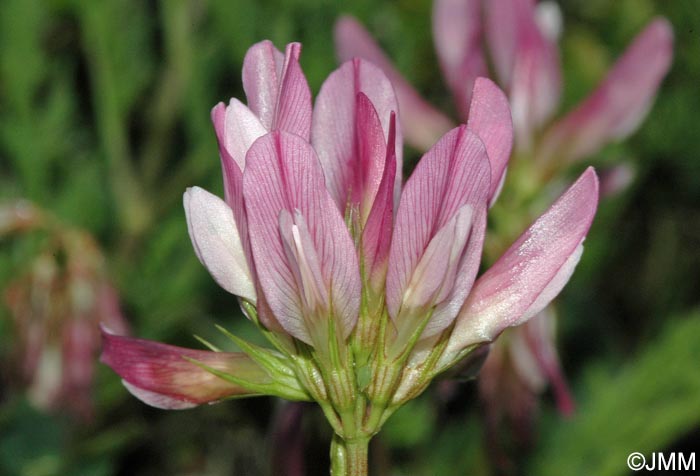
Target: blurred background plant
104,120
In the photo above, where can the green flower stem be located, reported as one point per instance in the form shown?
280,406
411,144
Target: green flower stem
349,456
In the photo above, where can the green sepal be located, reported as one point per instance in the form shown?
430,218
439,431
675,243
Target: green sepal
207,344
266,358
284,344
400,355
277,389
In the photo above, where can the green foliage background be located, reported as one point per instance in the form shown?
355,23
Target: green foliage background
104,120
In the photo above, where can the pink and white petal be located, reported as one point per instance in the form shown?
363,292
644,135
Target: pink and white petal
620,103
233,193
489,117
338,130
450,304
262,73
421,123
458,37
217,243
161,376
294,105
434,275
303,260
241,129
283,173
233,176
531,272
453,173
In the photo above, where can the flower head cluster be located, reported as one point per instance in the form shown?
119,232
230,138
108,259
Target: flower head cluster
366,287
518,39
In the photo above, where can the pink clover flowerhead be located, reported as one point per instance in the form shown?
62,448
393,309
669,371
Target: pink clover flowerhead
351,275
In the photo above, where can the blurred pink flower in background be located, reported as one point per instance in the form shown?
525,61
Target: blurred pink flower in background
57,306
519,38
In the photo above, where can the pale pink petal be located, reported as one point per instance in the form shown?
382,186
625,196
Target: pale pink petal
458,37
283,173
159,400
345,126
232,172
452,297
454,173
376,236
262,74
523,361
276,88
531,272
489,117
217,242
161,376
303,261
555,285
620,103
233,194
549,19
538,333
501,31
617,179
434,275
241,129
421,123
527,64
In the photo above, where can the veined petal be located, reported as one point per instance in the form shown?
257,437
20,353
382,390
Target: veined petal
217,243
458,37
454,173
371,155
283,173
276,88
350,130
376,235
161,376
489,117
620,103
421,123
533,270
527,64
294,104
